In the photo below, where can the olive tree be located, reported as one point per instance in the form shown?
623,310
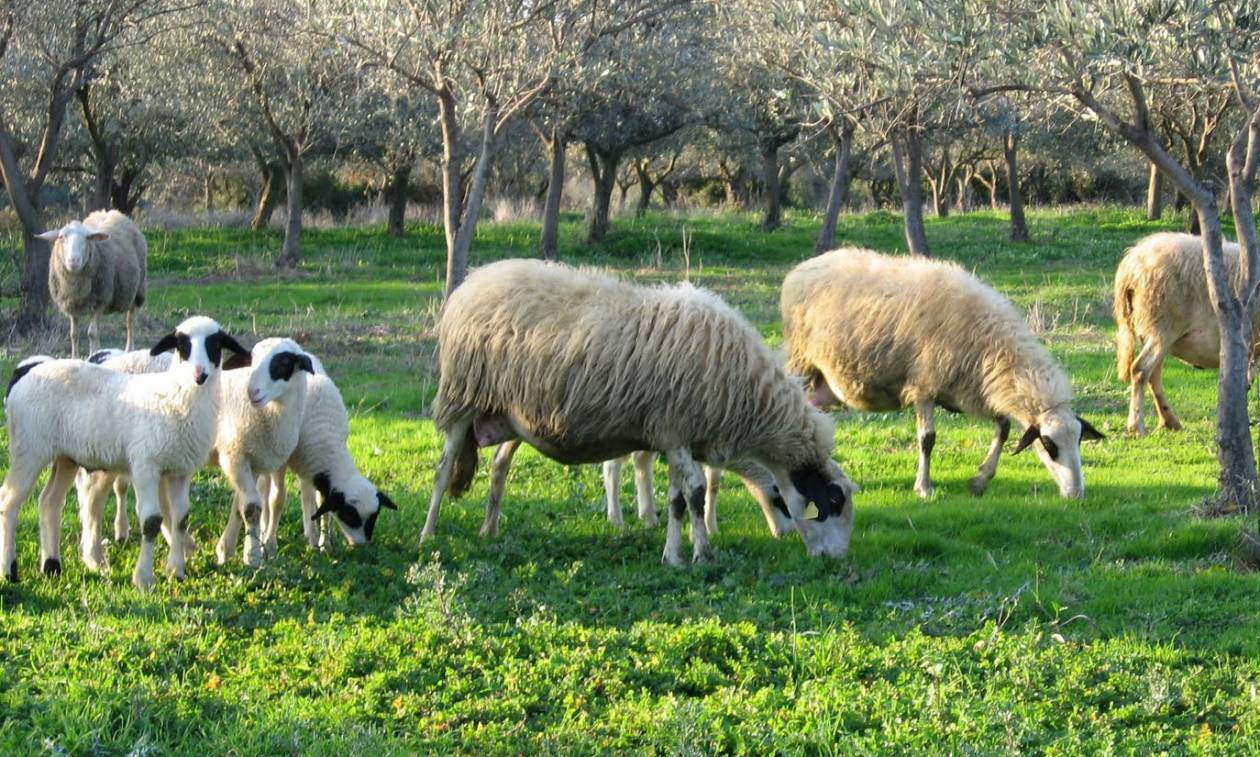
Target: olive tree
1111,60
48,50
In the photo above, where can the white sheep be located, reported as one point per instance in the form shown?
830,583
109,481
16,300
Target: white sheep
881,333
586,367
328,478
260,418
97,266
1162,303
71,413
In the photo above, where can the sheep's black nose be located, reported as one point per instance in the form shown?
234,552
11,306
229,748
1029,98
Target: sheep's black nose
201,378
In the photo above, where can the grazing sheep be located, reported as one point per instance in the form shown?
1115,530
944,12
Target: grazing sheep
260,417
97,266
324,466
71,413
1161,301
586,367
881,333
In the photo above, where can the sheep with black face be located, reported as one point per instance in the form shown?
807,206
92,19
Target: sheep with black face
585,367
260,418
881,332
72,413
331,484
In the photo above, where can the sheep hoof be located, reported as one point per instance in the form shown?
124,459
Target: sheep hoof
94,558
978,485
617,521
924,490
142,580
673,559
223,552
706,555
253,554
190,545
1137,430
270,548
175,570
649,519
488,530
1172,424
121,534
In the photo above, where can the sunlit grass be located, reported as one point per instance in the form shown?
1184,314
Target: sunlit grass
1014,622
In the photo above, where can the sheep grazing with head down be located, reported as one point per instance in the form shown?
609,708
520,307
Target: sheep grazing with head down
330,482
72,413
585,367
881,333
97,266
1162,304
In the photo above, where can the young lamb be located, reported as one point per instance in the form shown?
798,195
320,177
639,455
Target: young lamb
97,266
260,417
586,367
324,466
881,333
71,413
757,480
1161,301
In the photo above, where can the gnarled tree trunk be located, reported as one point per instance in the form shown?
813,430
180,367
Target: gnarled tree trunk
1154,194
294,181
1010,150
396,195
907,147
549,241
604,172
773,218
842,142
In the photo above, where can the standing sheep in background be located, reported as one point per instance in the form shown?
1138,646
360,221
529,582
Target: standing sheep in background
881,333
585,367
1161,301
69,413
97,266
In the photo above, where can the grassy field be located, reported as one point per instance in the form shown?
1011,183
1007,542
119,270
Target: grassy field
1014,622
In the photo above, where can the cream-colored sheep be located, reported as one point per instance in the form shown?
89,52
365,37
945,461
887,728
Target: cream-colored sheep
880,333
1161,302
97,266
586,367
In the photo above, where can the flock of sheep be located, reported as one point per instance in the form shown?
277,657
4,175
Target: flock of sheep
584,367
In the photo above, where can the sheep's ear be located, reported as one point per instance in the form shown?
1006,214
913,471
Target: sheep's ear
237,360
97,236
383,500
323,510
165,344
1088,432
1028,438
51,235
323,485
228,342
304,362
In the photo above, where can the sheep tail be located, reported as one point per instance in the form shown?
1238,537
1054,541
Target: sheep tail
465,465
1125,336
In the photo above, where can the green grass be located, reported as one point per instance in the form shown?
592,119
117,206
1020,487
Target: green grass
1014,622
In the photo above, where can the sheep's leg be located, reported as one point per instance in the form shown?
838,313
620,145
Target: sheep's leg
498,480
271,489
241,476
226,547
94,339
52,502
74,340
149,514
92,490
686,492
122,525
176,496
131,314
1167,418
990,464
311,527
17,486
1144,366
612,490
924,416
169,521
456,437
643,486
712,483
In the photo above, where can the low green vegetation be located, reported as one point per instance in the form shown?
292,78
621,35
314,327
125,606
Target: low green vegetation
1014,622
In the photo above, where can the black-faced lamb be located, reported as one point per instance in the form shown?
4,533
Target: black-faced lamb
1161,304
882,333
98,265
585,367
72,413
